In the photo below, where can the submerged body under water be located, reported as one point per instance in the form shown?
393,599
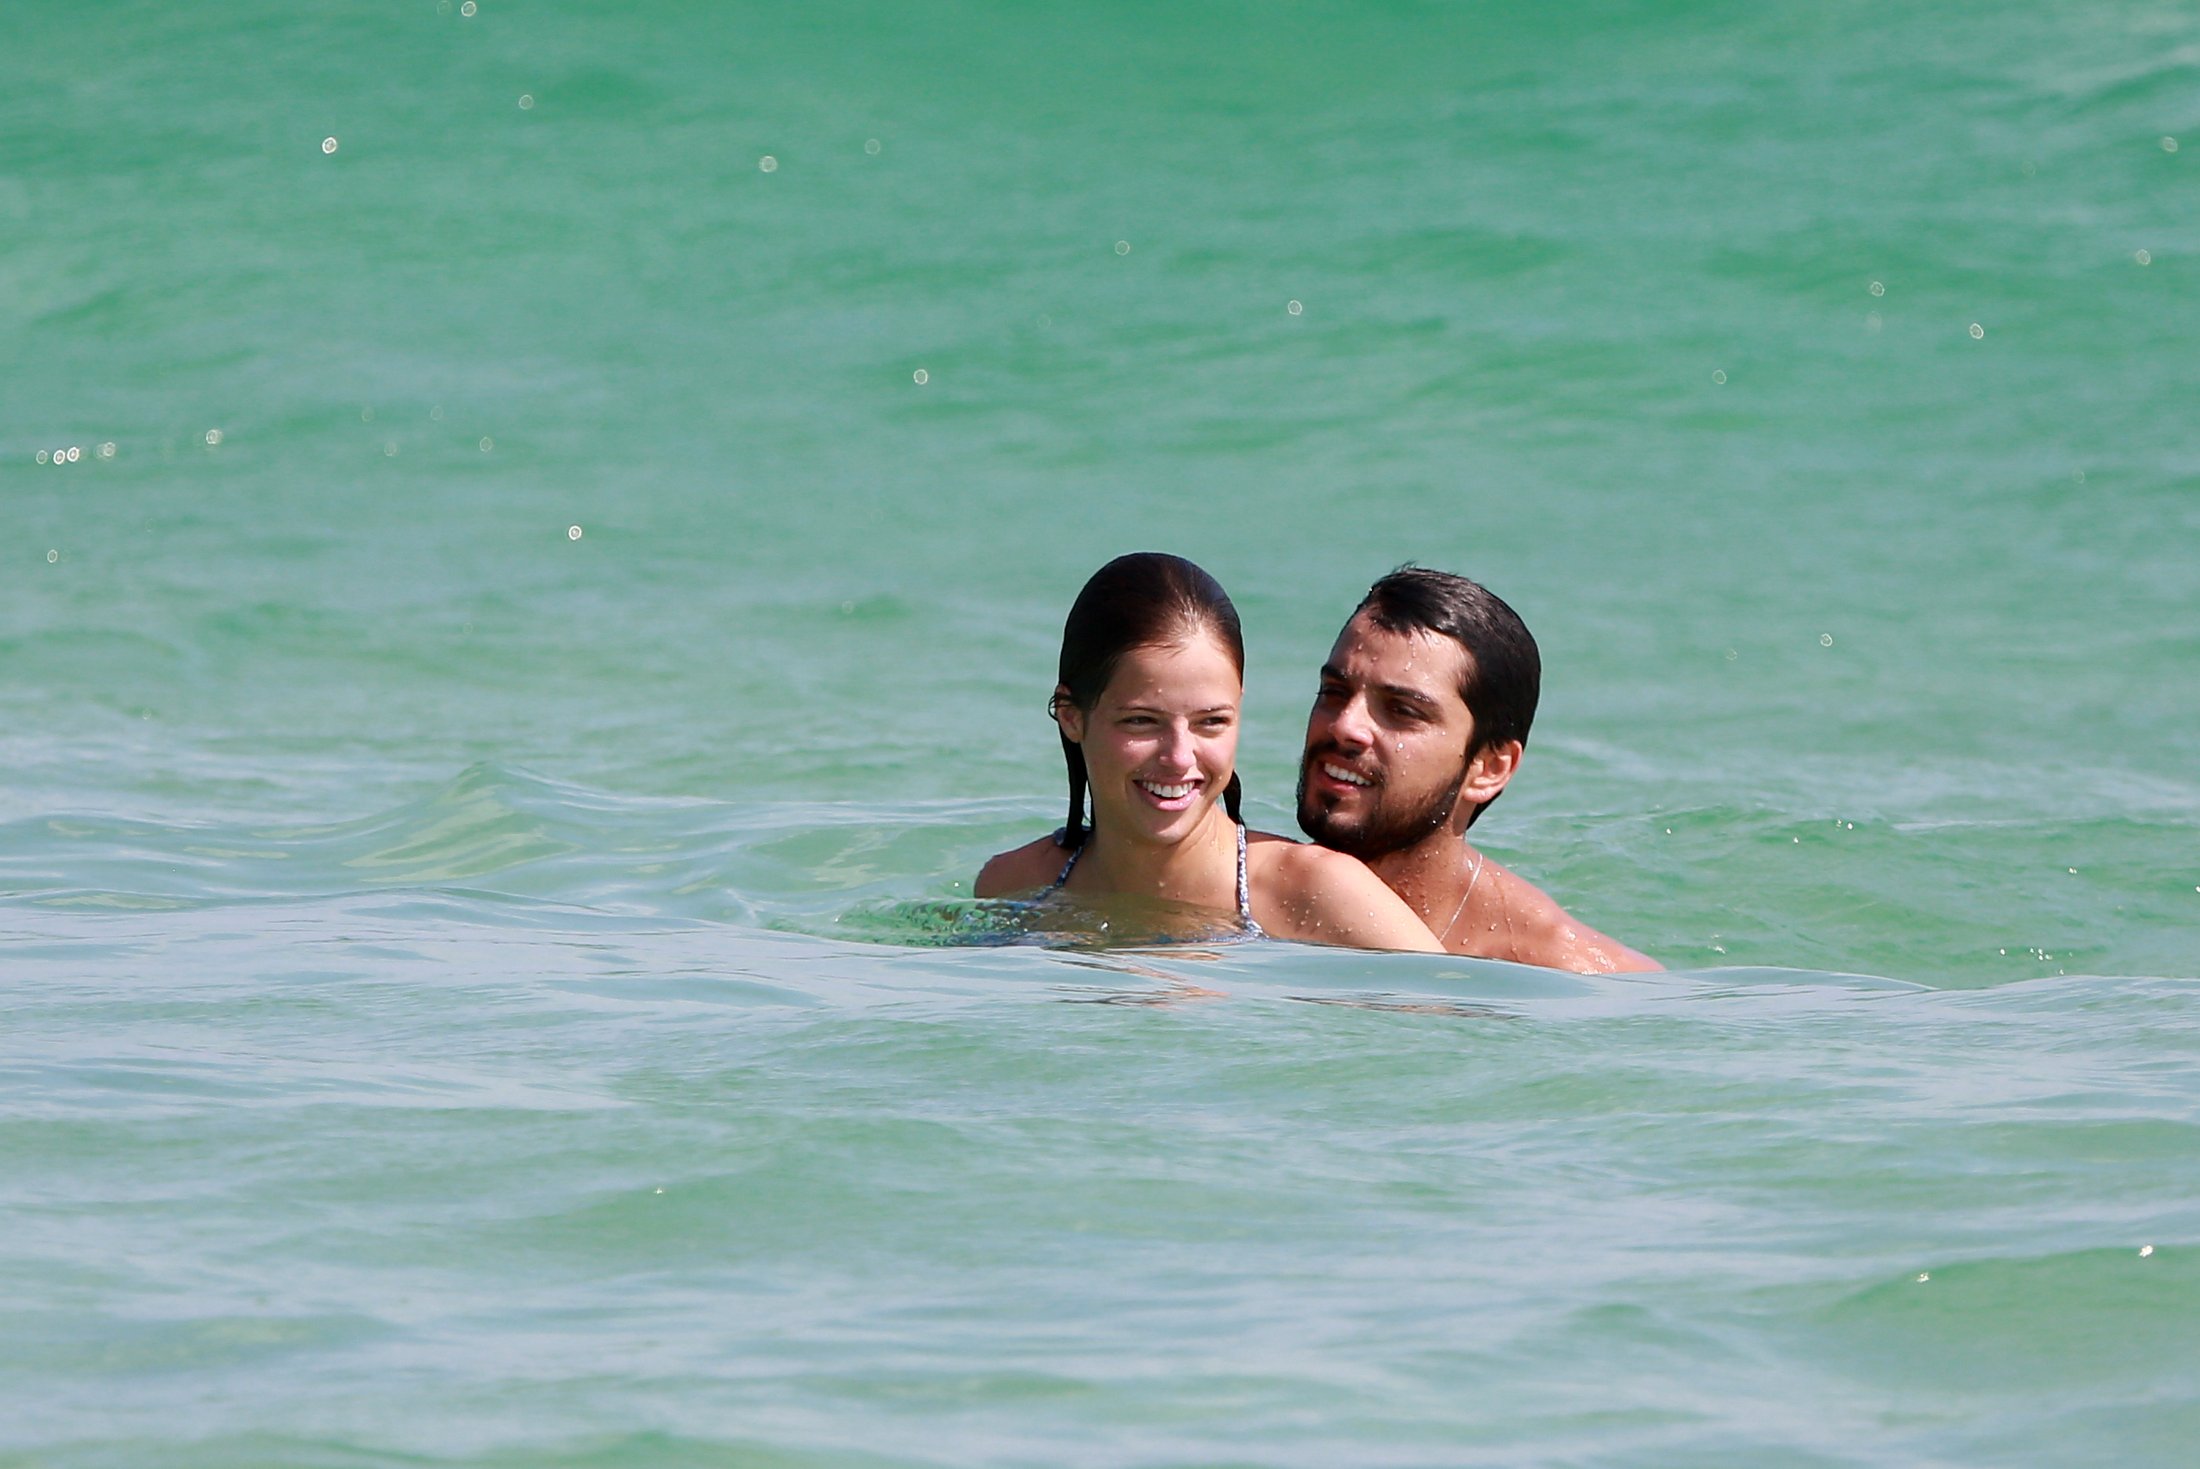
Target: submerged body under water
454,1134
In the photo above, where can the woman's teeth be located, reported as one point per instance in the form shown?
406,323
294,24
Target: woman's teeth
1338,772
1167,792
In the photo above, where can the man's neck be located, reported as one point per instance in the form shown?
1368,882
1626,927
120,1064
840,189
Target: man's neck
1431,875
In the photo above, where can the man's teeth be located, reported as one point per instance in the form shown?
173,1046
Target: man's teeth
1338,772
1168,793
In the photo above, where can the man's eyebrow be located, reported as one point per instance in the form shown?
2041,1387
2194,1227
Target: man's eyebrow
1331,673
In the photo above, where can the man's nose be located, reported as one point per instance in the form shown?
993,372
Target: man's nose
1351,727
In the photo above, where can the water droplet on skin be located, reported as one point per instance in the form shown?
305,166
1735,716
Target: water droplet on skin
768,164
920,377
572,532
1122,247
1977,332
328,145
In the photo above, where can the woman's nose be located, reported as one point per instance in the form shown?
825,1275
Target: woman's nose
1178,748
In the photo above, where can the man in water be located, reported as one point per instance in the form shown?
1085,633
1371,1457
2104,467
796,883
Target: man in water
1423,713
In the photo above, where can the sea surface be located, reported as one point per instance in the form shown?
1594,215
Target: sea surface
533,537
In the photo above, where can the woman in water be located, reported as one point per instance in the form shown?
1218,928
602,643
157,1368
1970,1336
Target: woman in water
1152,672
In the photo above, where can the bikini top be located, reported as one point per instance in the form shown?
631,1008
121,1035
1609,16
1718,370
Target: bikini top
1244,889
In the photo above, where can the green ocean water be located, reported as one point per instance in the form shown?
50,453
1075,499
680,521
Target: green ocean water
556,592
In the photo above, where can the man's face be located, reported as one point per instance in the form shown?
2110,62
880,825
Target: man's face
1386,744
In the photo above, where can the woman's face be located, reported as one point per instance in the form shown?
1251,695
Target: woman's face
1160,743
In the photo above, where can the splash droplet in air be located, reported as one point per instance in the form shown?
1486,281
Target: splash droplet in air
1877,288
1294,308
1825,640
920,377
487,443
2145,1251
572,532
2169,144
768,164
871,146
75,453
1718,375
213,437
328,145
52,557
1977,332
389,449
107,450
467,9
2143,257
45,456
526,100
1122,247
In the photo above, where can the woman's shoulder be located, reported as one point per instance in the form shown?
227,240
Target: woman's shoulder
1024,869
1280,859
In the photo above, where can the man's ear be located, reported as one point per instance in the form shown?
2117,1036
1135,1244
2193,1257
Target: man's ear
1067,715
1487,772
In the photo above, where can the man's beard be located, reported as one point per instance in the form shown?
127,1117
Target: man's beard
1385,829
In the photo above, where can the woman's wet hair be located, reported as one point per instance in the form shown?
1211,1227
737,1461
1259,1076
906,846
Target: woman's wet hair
1144,600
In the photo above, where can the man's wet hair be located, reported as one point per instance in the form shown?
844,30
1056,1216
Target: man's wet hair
1503,673
1144,600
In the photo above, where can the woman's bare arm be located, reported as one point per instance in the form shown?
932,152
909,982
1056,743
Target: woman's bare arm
1317,896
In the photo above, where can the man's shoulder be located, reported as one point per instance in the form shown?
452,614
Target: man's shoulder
1542,932
1021,869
